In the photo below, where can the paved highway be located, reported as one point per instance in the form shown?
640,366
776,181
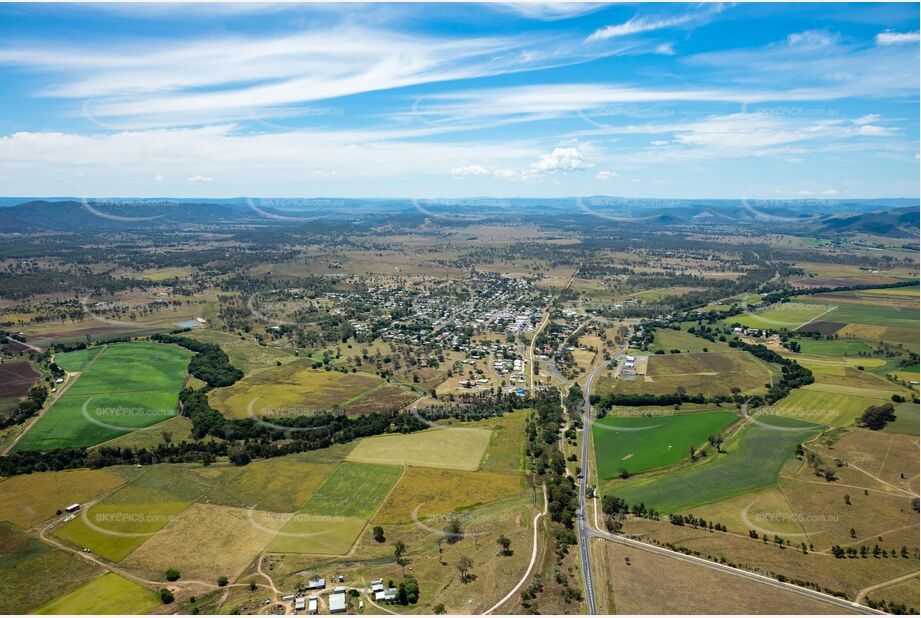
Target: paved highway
585,530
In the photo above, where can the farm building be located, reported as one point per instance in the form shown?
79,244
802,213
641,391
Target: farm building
337,603
316,584
299,604
312,605
73,508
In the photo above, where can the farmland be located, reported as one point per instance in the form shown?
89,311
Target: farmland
640,444
109,594
16,378
451,447
292,389
753,459
333,517
708,373
121,388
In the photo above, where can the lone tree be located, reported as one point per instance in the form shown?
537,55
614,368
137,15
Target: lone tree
399,548
378,533
171,575
463,567
403,561
506,544
166,596
454,530
222,581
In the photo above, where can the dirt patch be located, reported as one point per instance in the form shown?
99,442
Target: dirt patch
826,328
17,378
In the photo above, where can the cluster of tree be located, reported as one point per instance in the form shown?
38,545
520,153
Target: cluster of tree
610,400
876,417
793,375
783,295
891,607
689,520
26,408
865,552
210,363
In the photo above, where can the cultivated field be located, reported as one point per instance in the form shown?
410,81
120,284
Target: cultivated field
207,541
32,573
124,387
753,459
331,520
638,444
109,594
454,448
425,492
16,378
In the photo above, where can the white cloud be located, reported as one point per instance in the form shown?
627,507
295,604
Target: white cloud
504,174
562,159
666,49
549,11
638,25
606,175
200,178
867,119
469,170
811,38
659,142
890,37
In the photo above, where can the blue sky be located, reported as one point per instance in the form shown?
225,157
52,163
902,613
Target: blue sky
458,100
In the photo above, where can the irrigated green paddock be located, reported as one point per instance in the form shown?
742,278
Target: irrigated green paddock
124,387
109,594
638,444
753,460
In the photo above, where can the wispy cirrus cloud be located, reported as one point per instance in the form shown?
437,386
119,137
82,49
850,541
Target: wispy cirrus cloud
649,23
897,38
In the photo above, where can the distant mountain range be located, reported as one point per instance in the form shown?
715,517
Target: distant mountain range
885,217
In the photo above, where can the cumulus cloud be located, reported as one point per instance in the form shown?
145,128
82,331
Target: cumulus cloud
562,159
606,175
467,171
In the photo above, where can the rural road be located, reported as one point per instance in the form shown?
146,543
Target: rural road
584,527
587,531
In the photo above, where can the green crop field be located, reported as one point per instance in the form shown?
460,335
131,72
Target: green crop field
124,387
753,460
838,347
815,403
456,448
641,443
906,419
785,315
76,360
109,594
333,517
667,339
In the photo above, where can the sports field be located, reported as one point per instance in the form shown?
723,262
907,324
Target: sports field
291,390
109,594
454,448
331,520
125,386
640,443
753,460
